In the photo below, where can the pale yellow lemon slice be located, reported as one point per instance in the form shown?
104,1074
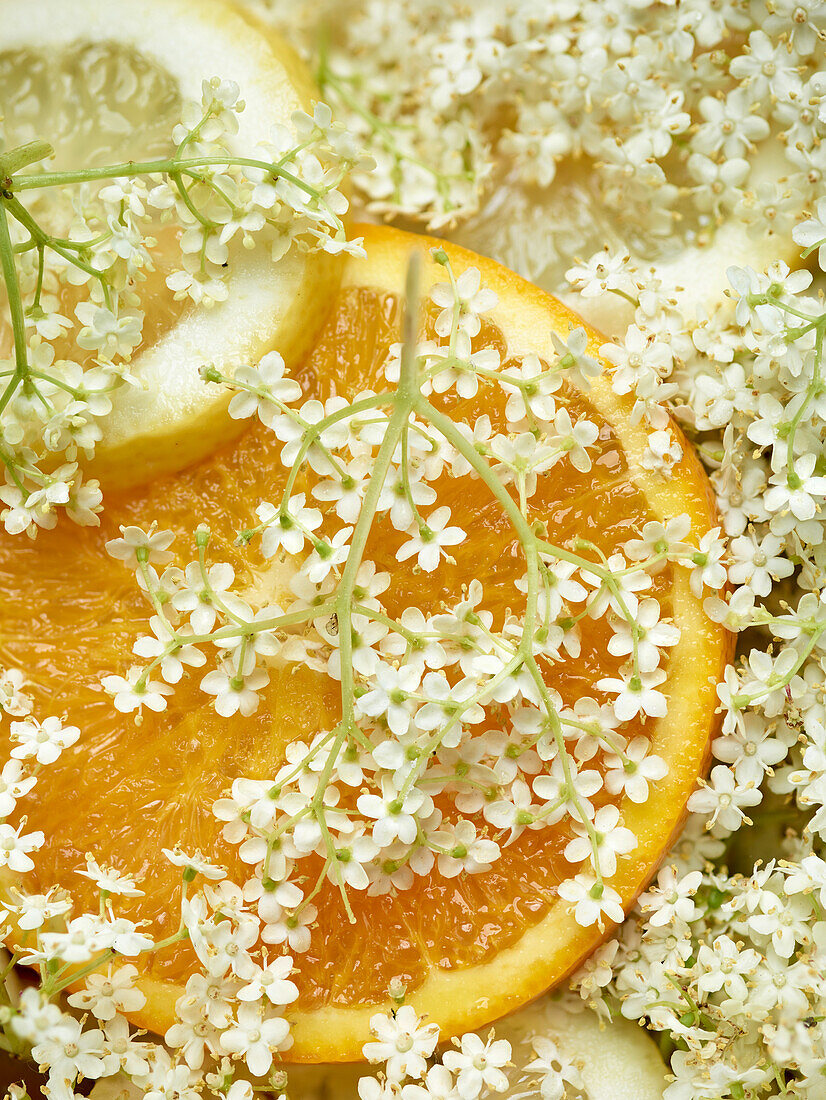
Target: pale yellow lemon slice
540,232
104,83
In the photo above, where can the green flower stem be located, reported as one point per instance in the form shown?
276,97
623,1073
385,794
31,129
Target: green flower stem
454,362
812,390
26,246
213,595
183,191
7,969
41,268
560,552
393,624
315,890
277,622
21,214
143,569
164,166
559,737
331,848
21,157
313,431
404,400
551,808
770,300
742,701
299,768
18,320
406,480
446,427
176,937
628,297
61,980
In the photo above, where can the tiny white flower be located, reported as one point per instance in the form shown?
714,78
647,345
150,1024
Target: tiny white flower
41,741
15,847
136,546
13,785
34,910
256,1037
270,981
428,543
636,693
265,390
403,1041
234,691
105,995
108,880
478,1065
811,234
133,691
722,800
611,840
591,901
13,699
634,770
194,861
287,528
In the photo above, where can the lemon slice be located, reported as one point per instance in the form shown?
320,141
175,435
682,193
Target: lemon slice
616,1060
540,231
104,83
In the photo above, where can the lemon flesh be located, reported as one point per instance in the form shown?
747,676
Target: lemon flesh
104,83
540,232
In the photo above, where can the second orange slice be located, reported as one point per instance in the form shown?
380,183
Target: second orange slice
469,947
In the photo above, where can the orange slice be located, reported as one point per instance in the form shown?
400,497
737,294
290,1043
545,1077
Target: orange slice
470,948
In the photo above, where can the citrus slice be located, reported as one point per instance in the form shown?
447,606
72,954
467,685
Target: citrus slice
540,232
470,948
105,83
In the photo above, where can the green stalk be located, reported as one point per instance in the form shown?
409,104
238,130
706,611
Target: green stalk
18,320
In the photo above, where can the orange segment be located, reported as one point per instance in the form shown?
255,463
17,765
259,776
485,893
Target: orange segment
469,948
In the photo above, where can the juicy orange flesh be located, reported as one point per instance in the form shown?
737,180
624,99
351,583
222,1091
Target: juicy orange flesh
70,615
160,308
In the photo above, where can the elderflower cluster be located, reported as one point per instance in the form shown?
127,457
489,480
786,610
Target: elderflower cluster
453,738
686,118
726,953
404,1043
230,1019
731,968
662,104
75,274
